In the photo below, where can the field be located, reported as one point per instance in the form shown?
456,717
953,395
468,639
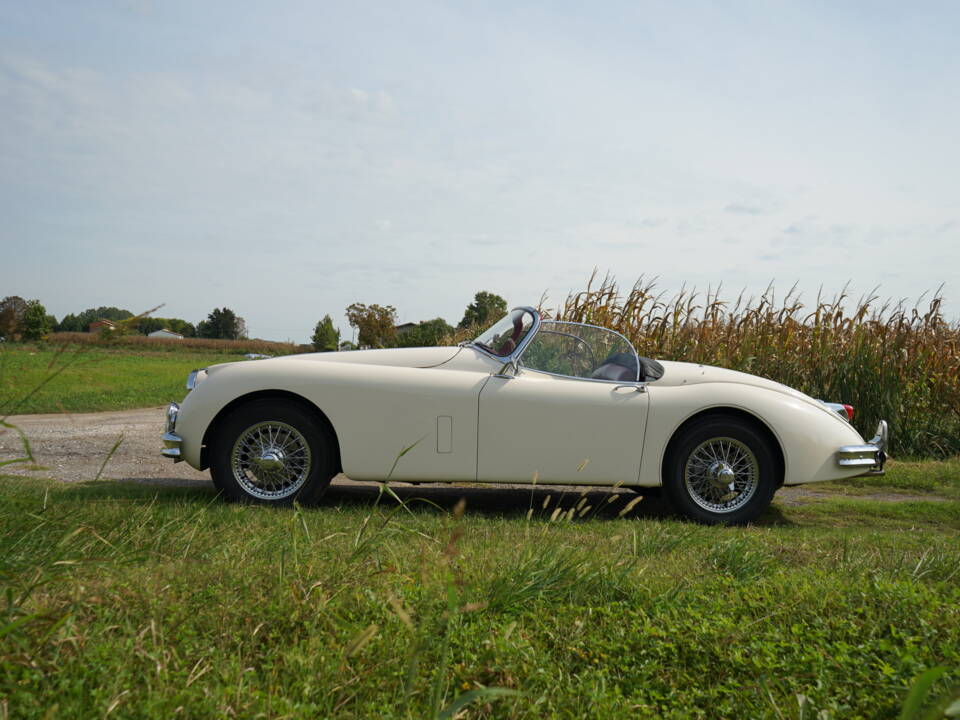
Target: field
88,380
80,372
132,601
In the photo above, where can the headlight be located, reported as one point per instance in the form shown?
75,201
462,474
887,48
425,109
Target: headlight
172,411
194,377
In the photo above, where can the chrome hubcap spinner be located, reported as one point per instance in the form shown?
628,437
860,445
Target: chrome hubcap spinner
271,460
721,474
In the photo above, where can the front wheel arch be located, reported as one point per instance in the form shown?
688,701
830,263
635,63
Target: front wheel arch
757,423
283,395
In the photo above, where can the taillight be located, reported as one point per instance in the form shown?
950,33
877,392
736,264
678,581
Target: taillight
849,410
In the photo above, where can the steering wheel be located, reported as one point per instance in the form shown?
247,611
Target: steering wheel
510,344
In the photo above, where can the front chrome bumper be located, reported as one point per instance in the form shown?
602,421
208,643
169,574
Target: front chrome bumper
871,456
172,441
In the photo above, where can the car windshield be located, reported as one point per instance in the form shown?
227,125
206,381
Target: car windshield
504,337
582,351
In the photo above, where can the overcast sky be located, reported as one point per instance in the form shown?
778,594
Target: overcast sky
286,159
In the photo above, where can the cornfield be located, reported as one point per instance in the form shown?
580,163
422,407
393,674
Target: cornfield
888,360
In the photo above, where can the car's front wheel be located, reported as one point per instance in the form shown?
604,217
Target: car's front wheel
272,452
721,470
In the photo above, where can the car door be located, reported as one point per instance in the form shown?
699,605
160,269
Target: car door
560,429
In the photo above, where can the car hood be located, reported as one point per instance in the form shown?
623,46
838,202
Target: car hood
421,357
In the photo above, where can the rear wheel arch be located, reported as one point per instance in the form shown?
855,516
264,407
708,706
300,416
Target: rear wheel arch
280,395
758,424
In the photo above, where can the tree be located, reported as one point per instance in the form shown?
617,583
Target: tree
325,336
425,334
223,324
485,310
69,323
81,321
186,328
36,323
13,308
376,324
147,325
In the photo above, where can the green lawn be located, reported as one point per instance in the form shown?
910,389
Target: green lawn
906,476
90,379
134,602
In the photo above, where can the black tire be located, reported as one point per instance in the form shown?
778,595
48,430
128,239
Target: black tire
721,470
272,452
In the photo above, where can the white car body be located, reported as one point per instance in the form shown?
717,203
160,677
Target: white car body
464,414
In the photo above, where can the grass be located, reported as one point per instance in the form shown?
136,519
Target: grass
94,378
128,601
940,477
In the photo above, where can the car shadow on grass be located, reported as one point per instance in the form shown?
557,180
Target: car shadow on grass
540,502
544,500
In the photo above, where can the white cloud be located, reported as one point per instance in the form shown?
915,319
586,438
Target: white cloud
324,154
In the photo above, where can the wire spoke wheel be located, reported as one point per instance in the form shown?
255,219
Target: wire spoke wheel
721,474
271,460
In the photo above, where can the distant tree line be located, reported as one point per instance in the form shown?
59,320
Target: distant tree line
376,324
28,320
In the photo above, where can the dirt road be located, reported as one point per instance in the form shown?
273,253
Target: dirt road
72,448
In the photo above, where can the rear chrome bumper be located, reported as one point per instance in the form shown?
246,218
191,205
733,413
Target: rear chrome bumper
871,456
172,441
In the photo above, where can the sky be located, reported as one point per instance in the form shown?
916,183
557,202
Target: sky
286,159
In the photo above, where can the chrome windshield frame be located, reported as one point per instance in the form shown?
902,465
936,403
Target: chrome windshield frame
629,344
521,346
514,357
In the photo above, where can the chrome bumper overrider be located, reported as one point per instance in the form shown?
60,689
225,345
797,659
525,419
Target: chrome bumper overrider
871,456
172,441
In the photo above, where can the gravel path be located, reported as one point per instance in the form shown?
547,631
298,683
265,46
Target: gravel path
72,448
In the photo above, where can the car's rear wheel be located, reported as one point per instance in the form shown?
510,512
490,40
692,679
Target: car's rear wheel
721,470
272,452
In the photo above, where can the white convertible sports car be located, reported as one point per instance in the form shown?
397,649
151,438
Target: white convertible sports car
530,400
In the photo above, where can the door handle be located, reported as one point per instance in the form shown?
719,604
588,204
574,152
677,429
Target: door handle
638,388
